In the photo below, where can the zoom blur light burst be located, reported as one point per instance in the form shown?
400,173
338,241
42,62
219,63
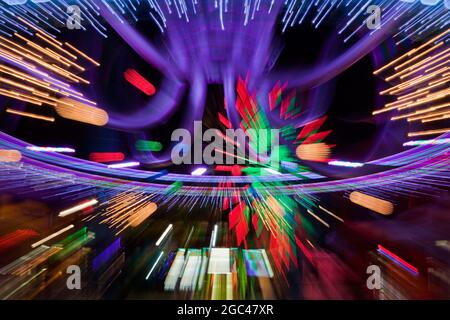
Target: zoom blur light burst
224,149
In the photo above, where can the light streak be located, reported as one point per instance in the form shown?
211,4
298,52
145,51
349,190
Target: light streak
124,165
30,115
12,239
271,171
426,142
213,237
318,218
292,13
106,156
198,171
424,71
372,203
331,214
134,78
235,170
142,214
437,118
25,283
75,110
10,155
154,265
161,238
144,145
313,152
412,116
51,149
398,260
53,235
82,54
76,208
346,164
428,132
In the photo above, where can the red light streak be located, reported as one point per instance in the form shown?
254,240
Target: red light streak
134,78
106,156
12,239
409,266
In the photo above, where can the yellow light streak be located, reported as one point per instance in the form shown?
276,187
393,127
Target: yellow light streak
30,115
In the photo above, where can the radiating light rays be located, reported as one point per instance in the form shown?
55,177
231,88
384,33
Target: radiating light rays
421,85
293,13
261,204
280,246
275,214
53,43
36,59
254,117
123,210
33,72
258,206
433,173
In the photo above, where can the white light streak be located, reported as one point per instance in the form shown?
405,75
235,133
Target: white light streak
79,207
36,244
346,164
124,165
154,265
51,149
198,171
169,227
